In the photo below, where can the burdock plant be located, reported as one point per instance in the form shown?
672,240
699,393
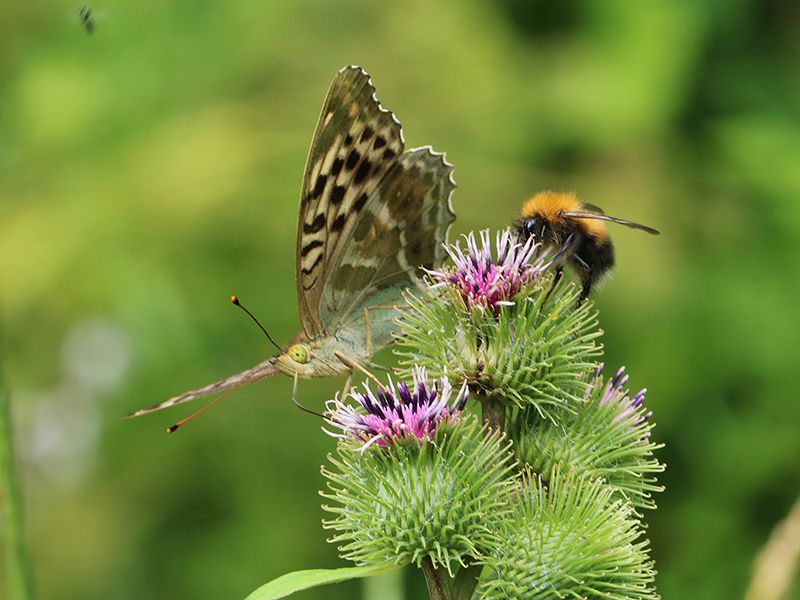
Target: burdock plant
498,460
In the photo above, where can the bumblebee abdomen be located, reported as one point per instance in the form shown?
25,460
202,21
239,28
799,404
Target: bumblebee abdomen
593,258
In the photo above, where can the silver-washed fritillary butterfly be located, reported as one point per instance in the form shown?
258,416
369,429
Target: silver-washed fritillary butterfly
371,216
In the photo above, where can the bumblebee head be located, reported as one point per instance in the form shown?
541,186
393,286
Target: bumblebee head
531,227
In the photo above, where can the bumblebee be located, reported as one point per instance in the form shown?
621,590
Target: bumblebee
577,230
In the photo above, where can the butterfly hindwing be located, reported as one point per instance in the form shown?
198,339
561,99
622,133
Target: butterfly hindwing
354,145
400,229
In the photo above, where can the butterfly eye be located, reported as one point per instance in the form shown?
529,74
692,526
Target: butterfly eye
299,353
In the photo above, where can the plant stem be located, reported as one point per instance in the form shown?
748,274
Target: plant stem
435,578
494,413
18,566
466,581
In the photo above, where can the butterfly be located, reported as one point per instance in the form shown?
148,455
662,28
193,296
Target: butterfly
372,216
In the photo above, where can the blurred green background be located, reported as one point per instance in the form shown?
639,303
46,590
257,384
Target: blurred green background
153,168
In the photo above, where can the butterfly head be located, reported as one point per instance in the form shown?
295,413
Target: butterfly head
309,358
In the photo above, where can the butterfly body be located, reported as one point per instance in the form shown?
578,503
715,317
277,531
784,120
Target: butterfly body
372,215
317,358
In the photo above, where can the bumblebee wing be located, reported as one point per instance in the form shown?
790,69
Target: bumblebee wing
602,217
593,208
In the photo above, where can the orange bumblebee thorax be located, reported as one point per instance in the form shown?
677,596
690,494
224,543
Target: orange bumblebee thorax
550,207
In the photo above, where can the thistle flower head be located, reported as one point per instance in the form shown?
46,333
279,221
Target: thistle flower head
413,501
397,412
487,282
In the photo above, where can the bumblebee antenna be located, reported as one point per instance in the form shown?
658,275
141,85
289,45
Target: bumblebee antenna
174,426
236,302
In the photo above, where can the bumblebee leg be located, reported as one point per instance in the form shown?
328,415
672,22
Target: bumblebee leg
556,279
588,282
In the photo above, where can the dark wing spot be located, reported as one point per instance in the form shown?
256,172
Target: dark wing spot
311,268
389,154
310,285
316,225
337,166
359,204
319,186
368,132
352,159
362,172
337,194
339,222
310,246
348,141
379,142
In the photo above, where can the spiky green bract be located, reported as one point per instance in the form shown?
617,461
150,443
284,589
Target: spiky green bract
606,437
534,353
411,500
568,540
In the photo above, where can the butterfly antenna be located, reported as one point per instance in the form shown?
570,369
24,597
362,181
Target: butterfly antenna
174,426
236,302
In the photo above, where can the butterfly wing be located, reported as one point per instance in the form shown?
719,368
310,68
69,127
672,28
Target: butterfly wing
260,371
355,144
400,229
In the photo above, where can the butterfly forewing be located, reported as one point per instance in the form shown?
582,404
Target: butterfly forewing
400,229
354,145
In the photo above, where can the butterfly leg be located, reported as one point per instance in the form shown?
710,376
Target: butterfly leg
347,383
368,330
355,365
300,406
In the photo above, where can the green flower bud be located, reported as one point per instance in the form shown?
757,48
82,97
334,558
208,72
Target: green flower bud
569,540
606,436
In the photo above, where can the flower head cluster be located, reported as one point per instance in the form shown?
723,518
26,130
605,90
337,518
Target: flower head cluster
614,395
396,412
487,282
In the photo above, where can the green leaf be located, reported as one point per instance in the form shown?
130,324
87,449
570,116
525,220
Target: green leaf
288,584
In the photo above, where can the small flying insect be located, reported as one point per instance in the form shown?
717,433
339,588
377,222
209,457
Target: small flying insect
577,229
87,18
